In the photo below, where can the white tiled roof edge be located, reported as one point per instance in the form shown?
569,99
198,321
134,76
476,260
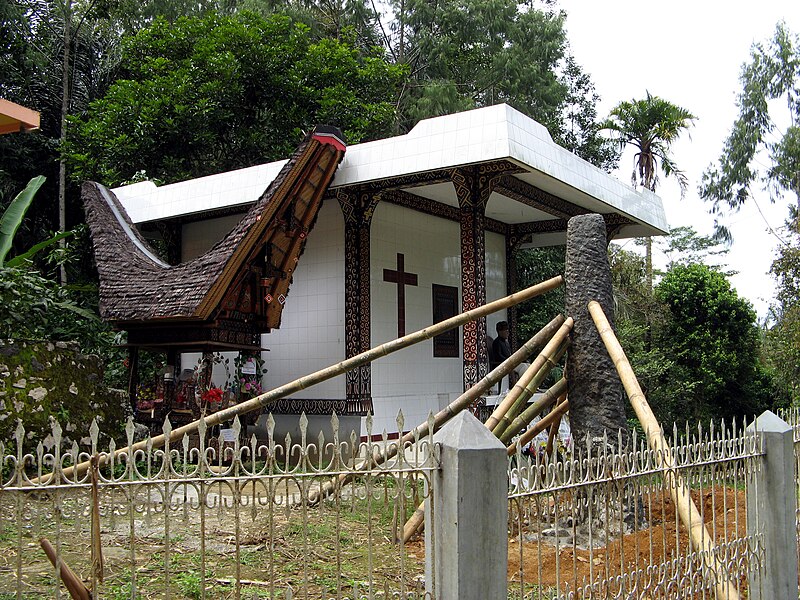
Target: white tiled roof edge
478,135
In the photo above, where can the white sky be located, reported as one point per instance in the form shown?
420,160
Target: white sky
690,53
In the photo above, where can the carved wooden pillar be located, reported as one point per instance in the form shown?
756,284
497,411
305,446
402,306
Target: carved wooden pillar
513,242
473,188
357,207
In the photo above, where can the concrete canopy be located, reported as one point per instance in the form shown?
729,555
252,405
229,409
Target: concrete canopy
15,118
544,184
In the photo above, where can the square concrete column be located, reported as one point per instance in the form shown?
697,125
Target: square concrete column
771,506
466,516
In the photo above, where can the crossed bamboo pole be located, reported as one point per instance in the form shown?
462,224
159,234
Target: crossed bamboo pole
444,415
330,372
687,511
498,423
417,519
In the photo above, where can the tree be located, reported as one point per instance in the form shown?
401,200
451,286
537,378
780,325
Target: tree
38,35
773,73
684,246
651,125
210,94
534,265
782,340
714,339
464,54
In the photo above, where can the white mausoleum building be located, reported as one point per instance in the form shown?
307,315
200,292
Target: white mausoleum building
411,230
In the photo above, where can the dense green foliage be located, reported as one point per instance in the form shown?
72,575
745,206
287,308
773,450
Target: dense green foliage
694,345
535,265
715,341
468,53
210,94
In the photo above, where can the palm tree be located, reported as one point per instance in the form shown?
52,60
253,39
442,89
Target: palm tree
651,125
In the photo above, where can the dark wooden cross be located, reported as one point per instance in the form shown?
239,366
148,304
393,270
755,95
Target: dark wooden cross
402,279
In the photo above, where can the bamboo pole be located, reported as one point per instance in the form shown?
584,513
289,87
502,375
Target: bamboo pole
546,421
76,588
535,409
447,413
687,511
330,372
554,429
417,518
496,418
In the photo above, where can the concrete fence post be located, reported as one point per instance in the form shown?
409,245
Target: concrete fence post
771,506
466,516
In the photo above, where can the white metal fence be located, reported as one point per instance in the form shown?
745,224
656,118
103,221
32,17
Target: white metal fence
212,517
213,520
607,527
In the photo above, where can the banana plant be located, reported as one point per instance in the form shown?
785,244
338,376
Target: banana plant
12,219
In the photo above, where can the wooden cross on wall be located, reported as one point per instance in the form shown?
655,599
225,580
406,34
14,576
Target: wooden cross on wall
402,279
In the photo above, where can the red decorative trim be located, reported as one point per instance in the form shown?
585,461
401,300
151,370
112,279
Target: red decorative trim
330,139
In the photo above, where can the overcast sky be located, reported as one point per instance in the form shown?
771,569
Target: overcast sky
690,53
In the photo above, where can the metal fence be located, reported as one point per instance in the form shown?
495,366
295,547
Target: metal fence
210,518
607,527
216,517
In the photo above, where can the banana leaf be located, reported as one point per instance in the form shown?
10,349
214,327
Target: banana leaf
20,259
13,215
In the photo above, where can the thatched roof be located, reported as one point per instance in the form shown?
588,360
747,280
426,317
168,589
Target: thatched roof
138,289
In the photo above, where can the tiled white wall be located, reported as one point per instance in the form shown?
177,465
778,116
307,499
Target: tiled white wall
413,379
199,236
495,277
311,335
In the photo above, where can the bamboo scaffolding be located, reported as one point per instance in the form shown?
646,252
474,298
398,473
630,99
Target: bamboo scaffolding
417,518
699,535
447,413
519,394
330,372
532,411
546,421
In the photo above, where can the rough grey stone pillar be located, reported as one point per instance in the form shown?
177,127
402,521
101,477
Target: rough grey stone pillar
596,396
466,526
771,505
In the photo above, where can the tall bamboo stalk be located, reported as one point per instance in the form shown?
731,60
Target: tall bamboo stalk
546,421
447,413
330,372
554,429
519,389
417,518
532,411
687,511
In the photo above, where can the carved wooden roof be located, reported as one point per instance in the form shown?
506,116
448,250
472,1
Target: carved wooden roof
242,280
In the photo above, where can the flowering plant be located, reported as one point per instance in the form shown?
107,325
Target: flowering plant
250,388
212,395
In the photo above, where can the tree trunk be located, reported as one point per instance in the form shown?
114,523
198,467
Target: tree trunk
62,167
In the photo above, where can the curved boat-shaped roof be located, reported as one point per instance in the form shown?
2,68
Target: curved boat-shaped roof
136,287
